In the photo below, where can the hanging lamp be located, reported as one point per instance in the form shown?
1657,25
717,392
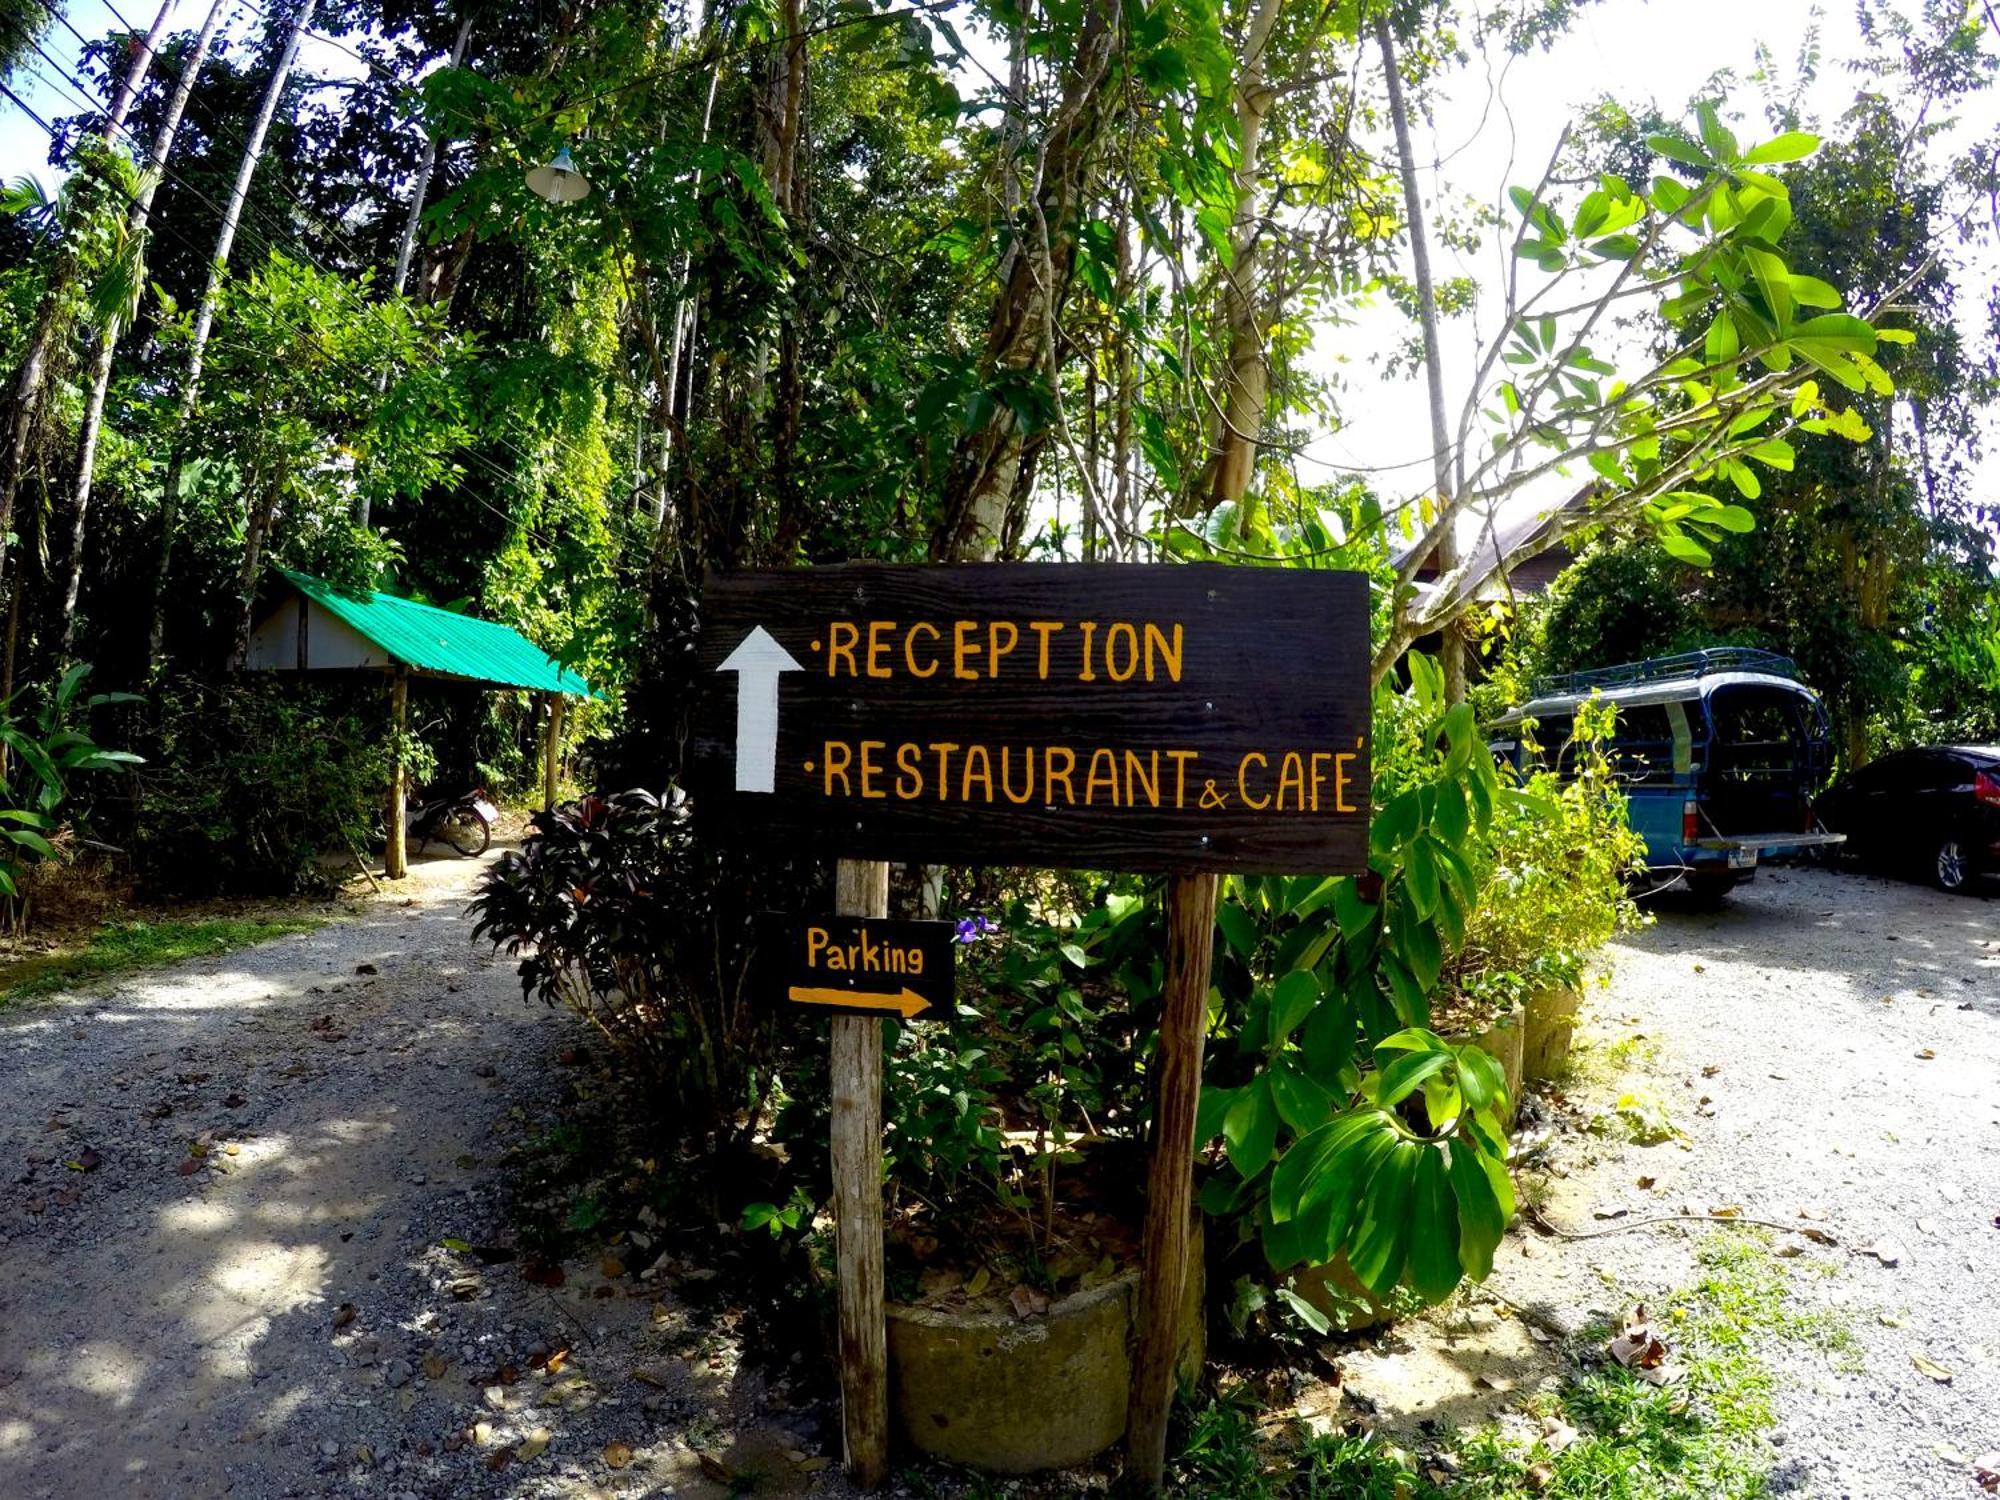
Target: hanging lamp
559,181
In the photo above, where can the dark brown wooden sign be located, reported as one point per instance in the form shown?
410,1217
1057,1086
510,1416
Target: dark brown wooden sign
870,966
1107,716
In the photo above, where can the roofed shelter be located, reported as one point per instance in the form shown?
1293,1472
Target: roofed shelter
320,627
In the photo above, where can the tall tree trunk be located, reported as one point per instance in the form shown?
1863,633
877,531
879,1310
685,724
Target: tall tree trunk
33,373
406,247
225,241
1451,645
107,343
994,465
261,506
1246,380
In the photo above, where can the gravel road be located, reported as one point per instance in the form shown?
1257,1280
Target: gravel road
1825,1043
277,1316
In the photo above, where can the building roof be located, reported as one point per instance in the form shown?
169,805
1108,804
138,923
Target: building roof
440,643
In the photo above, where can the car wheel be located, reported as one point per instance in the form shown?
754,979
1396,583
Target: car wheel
1951,867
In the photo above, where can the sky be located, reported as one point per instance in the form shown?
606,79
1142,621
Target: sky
1487,135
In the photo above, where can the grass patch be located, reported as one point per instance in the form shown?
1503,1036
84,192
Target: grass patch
1702,1438
120,947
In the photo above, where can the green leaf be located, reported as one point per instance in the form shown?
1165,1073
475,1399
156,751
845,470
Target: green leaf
1675,149
1433,1260
1400,1078
1303,1104
1841,331
1793,145
1381,1238
1239,928
1810,291
1293,998
1250,1128
1328,1040
1351,911
1306,1313
1292,1180
1209,1110
1481,1224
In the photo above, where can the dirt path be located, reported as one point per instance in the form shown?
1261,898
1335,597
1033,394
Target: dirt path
280,1317
1826,1043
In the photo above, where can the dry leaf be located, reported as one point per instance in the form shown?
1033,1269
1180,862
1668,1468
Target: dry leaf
1027,1302
343,1315
1986,1471
1539,1477
1641,1350
618,1455
435,1365
1558,1434
1925,1054
532,1446
715,1468
978,1282
553,1365
647,1377
1818,1236
612,1267
1812,1211
1930,1367
1645,1182
1727,1211
1886,1251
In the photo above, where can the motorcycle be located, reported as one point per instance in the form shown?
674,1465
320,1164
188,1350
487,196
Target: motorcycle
465,822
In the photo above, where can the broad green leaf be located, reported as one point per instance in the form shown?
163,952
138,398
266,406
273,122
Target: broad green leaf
1291,1180
1328,1040
1841,331
1381,1238
1400,1079
1810,291
1674,149
1433,1257
1239,928
1304,1311
1793,145
1481,1224
1293,998
1303,1104
1209,1111
1250,1128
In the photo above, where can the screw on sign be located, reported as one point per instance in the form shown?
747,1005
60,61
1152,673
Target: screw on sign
1189,719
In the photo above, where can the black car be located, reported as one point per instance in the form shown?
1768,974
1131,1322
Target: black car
1934,810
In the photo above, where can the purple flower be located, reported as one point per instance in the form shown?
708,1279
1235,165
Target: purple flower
972,929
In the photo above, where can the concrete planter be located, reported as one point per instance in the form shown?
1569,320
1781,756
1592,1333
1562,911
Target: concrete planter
1551,1022
1016,1395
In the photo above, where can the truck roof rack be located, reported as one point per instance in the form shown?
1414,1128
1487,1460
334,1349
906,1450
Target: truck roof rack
1666,669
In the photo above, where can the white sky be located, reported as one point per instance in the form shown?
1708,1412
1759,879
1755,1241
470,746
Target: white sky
1638,51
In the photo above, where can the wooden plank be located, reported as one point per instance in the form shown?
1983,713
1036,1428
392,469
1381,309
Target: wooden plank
1110,716
861,889
1176,1070
394,864
884,966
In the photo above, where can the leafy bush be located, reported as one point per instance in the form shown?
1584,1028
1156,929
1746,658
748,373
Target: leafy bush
620,911
251,783
38,756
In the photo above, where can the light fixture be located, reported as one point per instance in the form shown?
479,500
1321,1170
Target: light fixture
559,181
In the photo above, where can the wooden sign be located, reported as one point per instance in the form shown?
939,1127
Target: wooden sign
870,966
1108,716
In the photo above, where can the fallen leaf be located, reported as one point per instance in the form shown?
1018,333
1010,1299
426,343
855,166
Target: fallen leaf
1818,1236
500,1459
1727,1211
87,1160
553,1365
343,1315
715,1468
1790,1252
617,1455
1540,1476
1028,1302
1925,1054
1645,1182
1609,1213
435,1365
814,1465
534,1445
1889,1252
1930,1367
612,1267
1641,1350
647,1377
456,1245
1558,1434
1812,1211
978,1282
189,1166
1709,1070
542,1274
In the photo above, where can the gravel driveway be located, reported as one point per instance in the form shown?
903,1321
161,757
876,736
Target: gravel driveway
1825,1043
278,1315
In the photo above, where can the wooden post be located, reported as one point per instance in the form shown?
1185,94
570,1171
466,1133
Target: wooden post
861,889
552,751
393,863
1170,1178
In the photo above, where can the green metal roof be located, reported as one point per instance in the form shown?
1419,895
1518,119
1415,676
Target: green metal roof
427,639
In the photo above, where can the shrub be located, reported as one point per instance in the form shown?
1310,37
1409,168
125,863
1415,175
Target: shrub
620,910
250,783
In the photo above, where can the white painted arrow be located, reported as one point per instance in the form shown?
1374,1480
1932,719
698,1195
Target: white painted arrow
757,662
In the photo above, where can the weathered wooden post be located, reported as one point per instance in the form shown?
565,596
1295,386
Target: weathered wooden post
393,860
1176,1070
551,750
861,889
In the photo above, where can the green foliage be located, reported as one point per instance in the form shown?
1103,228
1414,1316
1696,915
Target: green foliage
39,755
259,786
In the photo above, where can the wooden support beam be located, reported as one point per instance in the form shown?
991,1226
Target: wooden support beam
393,861
1176,1070
861,889
552,750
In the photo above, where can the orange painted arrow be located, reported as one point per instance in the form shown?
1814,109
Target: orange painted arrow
909,1002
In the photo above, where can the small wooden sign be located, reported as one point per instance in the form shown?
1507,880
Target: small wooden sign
1108,716
870,966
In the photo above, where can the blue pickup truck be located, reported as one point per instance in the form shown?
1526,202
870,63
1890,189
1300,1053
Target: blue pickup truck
1719,753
